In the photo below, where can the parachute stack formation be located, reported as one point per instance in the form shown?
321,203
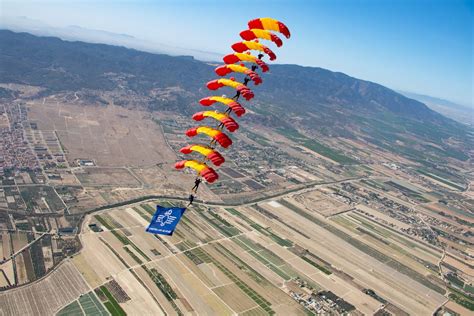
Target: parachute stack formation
259,29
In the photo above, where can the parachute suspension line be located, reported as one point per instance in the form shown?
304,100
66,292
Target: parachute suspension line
228,110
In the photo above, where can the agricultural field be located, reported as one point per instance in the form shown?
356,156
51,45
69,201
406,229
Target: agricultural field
176,270
26,258
42,199
45,297
87,305
265,257
253,259
332,242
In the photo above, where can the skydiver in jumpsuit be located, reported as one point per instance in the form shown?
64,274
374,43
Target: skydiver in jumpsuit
197,182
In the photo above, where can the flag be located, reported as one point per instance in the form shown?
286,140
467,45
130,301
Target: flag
165,219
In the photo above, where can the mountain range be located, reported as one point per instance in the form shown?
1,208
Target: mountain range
79,33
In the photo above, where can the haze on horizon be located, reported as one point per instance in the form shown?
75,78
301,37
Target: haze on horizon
417,46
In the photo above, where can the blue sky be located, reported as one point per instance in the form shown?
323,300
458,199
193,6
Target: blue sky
418,46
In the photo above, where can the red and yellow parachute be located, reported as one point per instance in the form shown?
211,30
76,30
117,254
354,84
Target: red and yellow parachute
261,28
210,153
235,106
203,169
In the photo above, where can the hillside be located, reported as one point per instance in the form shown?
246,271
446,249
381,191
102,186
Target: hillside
312,101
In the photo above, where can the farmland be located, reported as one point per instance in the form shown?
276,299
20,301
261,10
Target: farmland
264,257
47,296
239,260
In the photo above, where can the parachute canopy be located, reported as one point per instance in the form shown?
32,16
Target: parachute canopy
234,105
253,34
225,119
236,57
215,134
227,69
240,87
243,46
204,171
211,154
269,24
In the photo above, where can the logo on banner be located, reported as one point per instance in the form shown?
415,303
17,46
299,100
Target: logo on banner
166,218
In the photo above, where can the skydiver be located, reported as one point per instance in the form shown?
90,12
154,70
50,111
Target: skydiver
197,182
191,199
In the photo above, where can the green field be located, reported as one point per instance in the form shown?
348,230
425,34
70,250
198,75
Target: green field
469,288
314,264
72,309
461,299
133,255
112,305
442,180
256,276
87,305
219,223
91,305
407,191
259,139
315,146
142,214
164,287
148,208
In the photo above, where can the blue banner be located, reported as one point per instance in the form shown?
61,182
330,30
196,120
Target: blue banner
165,219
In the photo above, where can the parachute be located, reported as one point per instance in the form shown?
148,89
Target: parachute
214,133
235,106
240,87
236,57
204,170
241,61
208,152
270,25
243,46
227,69
225,119
254,34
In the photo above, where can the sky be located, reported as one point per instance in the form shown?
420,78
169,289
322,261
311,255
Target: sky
422,46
